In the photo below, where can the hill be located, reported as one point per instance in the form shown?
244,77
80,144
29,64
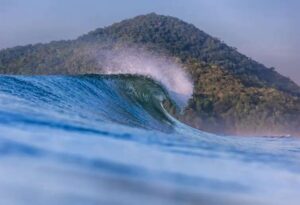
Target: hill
233,94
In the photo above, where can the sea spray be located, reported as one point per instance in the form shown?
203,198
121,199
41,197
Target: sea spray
130,60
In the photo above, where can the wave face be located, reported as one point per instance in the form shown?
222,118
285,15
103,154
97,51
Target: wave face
107,139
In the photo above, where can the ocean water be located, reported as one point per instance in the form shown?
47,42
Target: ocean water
106,139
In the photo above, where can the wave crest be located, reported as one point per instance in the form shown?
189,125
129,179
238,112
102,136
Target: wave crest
138,61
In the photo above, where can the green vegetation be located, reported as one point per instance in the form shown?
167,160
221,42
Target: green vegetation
233,94
223,103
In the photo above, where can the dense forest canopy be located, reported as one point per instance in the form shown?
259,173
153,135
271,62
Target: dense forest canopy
233,94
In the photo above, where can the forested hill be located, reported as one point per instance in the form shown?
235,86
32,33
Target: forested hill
186,41
233,93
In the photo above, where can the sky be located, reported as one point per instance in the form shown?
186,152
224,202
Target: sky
265,30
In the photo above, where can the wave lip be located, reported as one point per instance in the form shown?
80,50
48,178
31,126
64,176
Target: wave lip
137,61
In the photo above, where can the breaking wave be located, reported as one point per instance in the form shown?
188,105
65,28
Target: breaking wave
107,139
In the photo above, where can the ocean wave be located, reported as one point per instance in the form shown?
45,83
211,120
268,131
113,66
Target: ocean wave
105,139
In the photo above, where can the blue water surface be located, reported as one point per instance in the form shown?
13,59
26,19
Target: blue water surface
107,140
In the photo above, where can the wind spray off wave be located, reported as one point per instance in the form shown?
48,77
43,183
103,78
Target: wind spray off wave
163,69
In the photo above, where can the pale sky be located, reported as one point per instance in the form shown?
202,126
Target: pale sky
266,30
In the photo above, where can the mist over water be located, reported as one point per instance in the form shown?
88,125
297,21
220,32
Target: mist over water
163,69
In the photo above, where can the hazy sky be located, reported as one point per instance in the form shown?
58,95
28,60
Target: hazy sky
266,30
